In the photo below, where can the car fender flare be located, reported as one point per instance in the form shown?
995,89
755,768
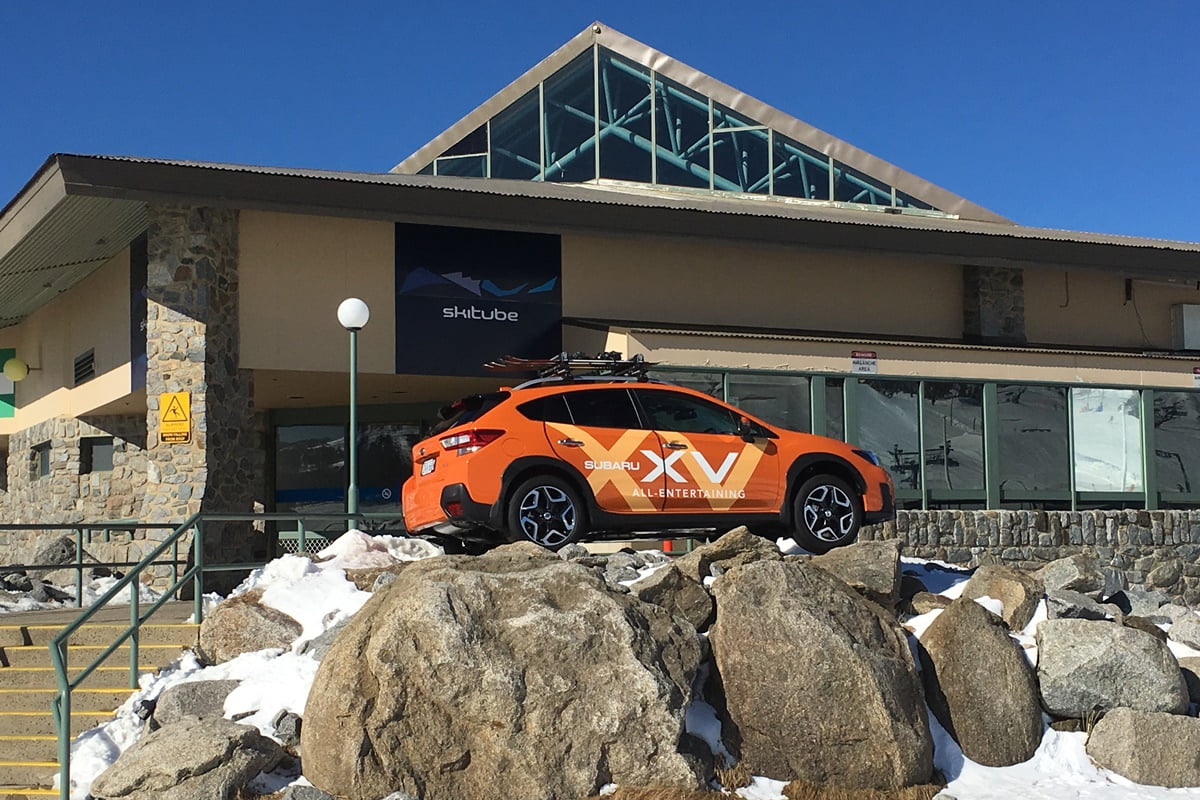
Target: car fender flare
816,463
521,468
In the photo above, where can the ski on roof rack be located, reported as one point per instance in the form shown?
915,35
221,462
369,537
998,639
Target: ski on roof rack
570,365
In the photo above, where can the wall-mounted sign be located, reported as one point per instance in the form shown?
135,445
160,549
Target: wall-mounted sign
175,417
466,296
1196,377
863,362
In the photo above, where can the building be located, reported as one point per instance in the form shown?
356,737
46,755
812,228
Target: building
178,319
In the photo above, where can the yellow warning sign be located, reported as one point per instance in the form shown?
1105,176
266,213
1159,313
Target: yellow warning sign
175,417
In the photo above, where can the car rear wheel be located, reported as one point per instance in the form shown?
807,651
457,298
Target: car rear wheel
546,510
828,513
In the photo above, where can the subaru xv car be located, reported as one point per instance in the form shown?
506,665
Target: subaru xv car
557,460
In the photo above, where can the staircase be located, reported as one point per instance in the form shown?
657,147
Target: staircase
28,742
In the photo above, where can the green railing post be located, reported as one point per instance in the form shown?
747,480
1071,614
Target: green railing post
79,568
198,564
300,530
60,709
134,622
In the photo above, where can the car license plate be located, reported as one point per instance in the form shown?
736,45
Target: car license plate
427,466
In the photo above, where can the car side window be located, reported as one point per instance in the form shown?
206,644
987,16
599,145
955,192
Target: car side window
547,409
603,408
669,411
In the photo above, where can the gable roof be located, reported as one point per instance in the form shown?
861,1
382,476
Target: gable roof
805,140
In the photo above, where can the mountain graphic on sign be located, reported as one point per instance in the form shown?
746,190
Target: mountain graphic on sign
175,412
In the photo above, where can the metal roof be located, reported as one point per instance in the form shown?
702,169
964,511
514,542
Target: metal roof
600,34
78,211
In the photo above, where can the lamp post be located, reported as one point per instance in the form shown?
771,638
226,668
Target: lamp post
353,315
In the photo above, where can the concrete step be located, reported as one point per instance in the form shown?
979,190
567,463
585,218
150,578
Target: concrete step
14,773
150,656
40,723
88,699
45,678
102,635
29,748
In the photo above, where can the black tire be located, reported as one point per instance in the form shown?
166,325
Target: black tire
547,511
827,513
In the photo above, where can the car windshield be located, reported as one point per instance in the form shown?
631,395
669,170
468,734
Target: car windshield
467,410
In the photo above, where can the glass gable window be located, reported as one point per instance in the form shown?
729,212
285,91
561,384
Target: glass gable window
606,116
569,123
515,151
626,120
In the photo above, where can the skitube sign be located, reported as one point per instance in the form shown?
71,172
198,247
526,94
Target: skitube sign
464,295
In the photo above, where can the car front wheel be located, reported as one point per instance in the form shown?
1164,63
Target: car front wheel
546,510
828,513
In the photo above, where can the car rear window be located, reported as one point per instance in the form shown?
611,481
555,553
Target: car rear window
467,410
546,409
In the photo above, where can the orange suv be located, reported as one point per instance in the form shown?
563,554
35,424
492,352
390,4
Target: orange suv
566,458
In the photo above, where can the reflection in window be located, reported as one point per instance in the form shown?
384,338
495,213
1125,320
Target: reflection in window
625,117
1177,440
953,432
852,186
515,149
384,463
887,424
1108,439
778,399
310,468
463,166
711,383
1033,439
741,161
835,409
682,120
570,122
800,171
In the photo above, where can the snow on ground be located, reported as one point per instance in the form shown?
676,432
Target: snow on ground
317,593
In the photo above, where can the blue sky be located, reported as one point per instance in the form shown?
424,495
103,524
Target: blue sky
1064,114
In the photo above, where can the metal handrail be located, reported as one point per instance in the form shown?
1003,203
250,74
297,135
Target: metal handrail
60,706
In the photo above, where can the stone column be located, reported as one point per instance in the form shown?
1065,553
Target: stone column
994,305
192,346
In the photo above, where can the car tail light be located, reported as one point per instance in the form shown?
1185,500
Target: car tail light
469,441
454,508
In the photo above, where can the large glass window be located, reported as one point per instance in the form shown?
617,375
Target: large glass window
1108,439
952,428
852,186
887,424
310,465
1177,441
711,383
384,464
569,101
1034,440
835,409
625,117
779,399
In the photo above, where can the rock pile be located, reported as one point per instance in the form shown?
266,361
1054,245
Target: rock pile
554,675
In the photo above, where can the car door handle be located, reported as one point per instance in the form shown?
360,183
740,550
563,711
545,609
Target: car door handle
675,445
570,442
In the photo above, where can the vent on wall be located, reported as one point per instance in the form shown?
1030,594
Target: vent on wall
85,367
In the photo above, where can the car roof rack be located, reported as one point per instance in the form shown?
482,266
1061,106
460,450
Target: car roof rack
568,366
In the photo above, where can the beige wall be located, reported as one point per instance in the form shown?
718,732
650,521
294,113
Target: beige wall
92,315
677,280
294,271
1090,309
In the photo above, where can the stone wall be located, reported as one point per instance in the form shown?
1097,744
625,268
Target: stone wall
994,304
192,346
1155,549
